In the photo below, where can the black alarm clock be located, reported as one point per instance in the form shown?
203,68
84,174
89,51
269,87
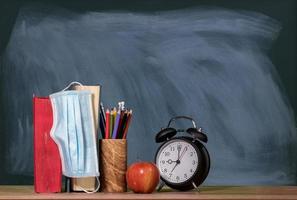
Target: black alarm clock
183,161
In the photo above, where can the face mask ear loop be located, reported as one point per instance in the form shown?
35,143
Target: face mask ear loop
94,191
71,84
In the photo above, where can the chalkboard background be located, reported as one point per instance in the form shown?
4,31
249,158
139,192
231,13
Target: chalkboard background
229,64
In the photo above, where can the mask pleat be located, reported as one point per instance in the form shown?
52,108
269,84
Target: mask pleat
73,144
89,130
83,110
63,122
79,133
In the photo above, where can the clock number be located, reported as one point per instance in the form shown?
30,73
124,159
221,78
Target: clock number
185,175
193,162
191,154
163,161
191,170
170,174
172,149
167,154
165,170
177,178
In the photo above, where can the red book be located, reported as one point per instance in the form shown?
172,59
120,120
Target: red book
47,162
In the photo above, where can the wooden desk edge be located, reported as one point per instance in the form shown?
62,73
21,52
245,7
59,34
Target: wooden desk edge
207,193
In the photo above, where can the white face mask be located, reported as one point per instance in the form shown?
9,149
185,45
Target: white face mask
74,132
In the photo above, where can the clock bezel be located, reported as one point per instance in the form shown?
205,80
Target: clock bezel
188,183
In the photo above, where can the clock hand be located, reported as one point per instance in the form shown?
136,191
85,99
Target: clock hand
177,163
178,150
170,161
183,153
174,167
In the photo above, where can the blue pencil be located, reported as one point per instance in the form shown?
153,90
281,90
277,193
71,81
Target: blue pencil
116,125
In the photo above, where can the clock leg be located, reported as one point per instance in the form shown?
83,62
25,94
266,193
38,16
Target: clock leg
195,186
160,186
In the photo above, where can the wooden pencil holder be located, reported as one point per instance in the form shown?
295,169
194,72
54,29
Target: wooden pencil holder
113,165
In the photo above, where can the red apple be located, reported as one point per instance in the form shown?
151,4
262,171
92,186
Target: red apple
142,177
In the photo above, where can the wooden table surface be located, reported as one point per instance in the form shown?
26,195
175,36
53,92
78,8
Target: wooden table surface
207,192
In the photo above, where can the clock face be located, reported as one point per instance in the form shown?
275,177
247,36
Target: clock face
177,161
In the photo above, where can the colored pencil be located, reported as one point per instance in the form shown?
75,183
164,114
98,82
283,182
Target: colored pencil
102,125
102,121
111,123
102,110
116,125
121,128
127,124
107,124
120,122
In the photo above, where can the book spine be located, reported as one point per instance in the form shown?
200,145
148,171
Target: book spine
47,162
